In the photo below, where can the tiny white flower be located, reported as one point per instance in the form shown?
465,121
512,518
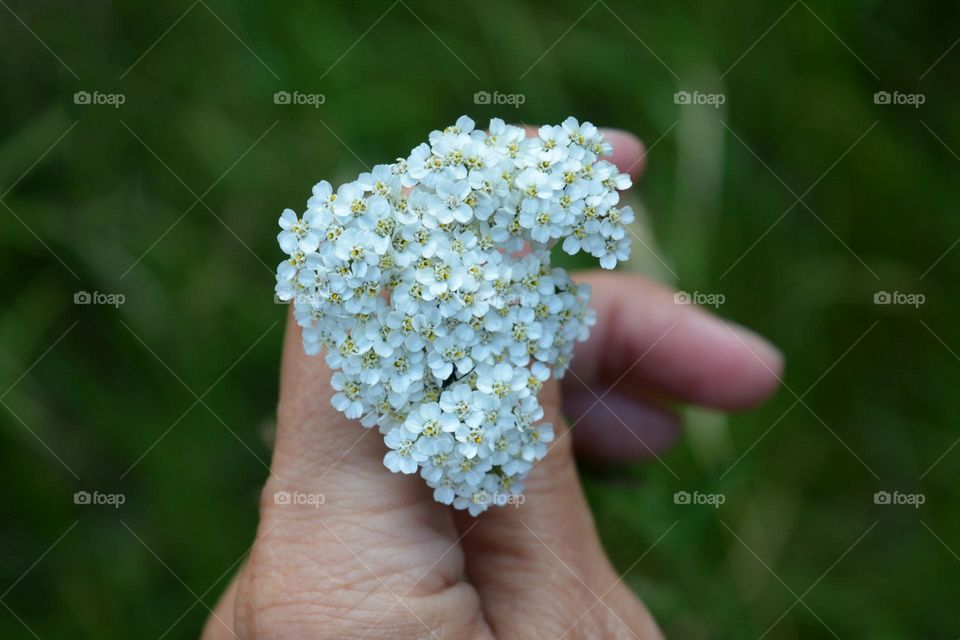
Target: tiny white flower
448,204
463,402
537,184
404,455
544,219
350,200
431,420
535,442
322,198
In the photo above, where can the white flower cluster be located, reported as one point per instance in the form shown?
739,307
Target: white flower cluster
428,282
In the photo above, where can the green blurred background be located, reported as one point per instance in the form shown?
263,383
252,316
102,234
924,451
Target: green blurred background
171,200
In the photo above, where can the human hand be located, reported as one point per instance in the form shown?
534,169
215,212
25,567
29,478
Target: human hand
380,559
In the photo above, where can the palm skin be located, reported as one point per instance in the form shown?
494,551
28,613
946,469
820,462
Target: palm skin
380,559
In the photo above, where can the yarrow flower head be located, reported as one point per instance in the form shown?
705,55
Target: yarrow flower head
428,283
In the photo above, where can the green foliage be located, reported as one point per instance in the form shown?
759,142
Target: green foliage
172,199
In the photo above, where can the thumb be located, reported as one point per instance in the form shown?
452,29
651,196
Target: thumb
546,555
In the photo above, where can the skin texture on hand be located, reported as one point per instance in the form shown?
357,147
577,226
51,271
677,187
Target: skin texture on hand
380,559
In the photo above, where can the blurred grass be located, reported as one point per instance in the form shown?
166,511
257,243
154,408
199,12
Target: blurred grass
202,96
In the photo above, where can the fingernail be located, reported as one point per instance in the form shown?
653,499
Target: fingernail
629,153
622,136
